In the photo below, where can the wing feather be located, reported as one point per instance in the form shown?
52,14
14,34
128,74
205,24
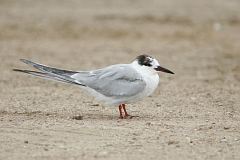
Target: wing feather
50,72
113,81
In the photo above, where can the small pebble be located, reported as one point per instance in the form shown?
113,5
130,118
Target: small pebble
226,128
101,154
223,140
134,139
193,98
148,123
26,142
172,142
77,117
189,140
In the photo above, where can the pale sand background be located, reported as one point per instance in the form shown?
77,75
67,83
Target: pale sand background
194,114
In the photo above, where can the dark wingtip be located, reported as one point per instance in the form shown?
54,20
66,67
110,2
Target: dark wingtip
17,70
24,60
20,70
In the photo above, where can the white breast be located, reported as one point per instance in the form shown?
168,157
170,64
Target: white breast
152,81
151,84
150,77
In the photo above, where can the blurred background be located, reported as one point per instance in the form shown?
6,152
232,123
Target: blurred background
198,40
194,38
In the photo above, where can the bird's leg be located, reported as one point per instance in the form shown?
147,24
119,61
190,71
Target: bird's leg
120,111
126,115
125,111
122,108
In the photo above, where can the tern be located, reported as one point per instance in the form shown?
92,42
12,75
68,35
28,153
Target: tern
118,84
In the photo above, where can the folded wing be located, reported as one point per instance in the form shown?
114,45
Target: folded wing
113,81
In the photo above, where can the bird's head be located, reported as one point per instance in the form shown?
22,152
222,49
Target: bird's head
151,63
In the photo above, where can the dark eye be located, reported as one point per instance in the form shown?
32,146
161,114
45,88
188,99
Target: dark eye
148,63
145,60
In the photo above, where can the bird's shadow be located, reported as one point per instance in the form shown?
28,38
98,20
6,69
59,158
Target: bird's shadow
77,117
94,116
98,116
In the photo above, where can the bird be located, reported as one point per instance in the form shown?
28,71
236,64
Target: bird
116,85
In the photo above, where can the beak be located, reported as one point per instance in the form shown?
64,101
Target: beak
159,68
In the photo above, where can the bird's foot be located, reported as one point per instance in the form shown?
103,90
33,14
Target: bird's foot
127,117
123,113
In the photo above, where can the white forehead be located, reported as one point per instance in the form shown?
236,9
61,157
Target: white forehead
154,61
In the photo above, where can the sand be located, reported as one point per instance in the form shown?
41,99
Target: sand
194,114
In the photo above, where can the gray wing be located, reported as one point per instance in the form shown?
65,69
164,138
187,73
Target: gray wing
113,81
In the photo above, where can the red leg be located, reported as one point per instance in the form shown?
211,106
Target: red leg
126,115
125,111
120,111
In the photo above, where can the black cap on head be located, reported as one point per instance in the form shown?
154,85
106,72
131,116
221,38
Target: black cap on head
145,60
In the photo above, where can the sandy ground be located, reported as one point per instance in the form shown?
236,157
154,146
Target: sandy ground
194,114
